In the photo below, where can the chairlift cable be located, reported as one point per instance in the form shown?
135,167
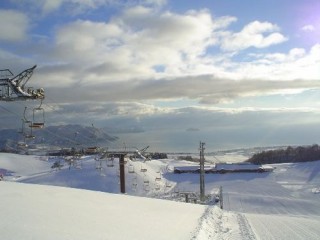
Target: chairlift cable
9,111
59,136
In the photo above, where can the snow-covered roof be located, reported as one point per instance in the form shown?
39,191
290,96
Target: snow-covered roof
236,166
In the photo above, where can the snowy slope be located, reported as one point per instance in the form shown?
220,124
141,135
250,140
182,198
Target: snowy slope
22,165
284,204
47,212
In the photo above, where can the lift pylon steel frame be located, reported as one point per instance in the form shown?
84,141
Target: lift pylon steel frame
14,88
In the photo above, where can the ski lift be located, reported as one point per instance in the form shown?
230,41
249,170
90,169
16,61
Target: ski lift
99,167
134,183
143,169
102,173
26,123
70,162
78,165
146,180
118,176
110,162
130,168
57,165
157,187
14,88
168,184
94,149
158,178
78,161
22,144
91,150
38,117
146,188
98,164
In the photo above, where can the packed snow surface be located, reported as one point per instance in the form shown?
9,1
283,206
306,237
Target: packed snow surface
82,201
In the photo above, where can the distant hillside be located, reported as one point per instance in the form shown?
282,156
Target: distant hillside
57,136
288,155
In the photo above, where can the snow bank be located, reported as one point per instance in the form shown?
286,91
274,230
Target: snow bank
48,212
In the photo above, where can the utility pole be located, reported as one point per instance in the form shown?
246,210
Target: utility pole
202,187
122,174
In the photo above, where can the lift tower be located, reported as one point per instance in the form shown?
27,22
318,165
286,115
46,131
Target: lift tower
202,187
13,88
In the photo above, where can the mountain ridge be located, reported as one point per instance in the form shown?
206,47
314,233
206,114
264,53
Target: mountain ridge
62,136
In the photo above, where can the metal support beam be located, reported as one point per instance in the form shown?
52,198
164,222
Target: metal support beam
202,185
122,174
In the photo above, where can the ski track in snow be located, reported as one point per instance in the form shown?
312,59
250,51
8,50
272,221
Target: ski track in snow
216,224
212,225
245,228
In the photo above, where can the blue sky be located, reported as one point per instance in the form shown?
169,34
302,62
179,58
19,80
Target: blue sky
171,73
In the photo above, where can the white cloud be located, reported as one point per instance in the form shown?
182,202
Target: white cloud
139,37
119,60
255,34
205,89
155,2
13,26
50,5
297,63
187,33
294,54
85,36
308,28
77,7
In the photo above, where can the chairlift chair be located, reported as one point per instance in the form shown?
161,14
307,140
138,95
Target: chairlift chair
98,164
134,183
91,150
22,144
146,188
26,123
158,178
146,180
134,187
110,162
38,117
78,162
157,187
102,173
27,133
130,168
143,169
168,184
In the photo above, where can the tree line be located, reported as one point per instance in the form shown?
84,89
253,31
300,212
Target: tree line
287,155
